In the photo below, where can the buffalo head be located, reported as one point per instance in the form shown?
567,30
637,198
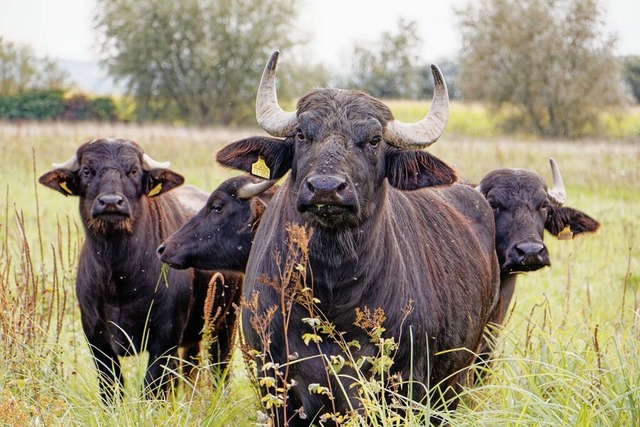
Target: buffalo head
111,176
341,146
220,235
524,207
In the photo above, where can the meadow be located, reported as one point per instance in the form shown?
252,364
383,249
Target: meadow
568,355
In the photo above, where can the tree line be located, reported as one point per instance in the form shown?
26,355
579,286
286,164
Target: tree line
546,66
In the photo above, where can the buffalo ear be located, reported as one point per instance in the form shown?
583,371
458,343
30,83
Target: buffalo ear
61,180
412,169
158,181
268,158
577,221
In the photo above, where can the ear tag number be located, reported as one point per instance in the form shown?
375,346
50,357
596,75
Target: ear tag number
565,234
260,168
63,185
155,191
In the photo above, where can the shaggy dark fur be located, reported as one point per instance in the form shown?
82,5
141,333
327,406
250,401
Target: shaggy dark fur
522,211
127,304
375,244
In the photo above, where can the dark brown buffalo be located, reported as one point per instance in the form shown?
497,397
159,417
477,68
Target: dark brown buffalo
127,304
220,235
389,230
523,208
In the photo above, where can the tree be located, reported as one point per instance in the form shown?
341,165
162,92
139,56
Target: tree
548,59
197,60
391,69
631,73
21,71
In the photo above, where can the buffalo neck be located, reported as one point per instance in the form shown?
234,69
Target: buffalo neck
128,250
345,263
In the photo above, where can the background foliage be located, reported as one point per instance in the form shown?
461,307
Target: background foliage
193,60
547,60
545,67
22,71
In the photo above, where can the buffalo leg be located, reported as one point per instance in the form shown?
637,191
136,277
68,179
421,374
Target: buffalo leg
106,361
160,373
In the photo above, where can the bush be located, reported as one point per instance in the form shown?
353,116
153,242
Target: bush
52,105
102,109
76,108
37,105
41,105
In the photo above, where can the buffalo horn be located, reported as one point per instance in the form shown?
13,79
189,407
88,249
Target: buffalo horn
273,119
428,130
71,164
557,194
251,189
148,163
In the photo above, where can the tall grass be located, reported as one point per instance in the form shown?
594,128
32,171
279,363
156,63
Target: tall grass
568,355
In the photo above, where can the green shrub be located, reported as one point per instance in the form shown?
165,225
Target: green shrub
41,105
103,109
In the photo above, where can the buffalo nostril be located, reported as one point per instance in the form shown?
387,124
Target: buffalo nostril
310,187
342,186
160,249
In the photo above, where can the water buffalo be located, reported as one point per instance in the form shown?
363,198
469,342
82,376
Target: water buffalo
127,303
523,208
220,235
390,229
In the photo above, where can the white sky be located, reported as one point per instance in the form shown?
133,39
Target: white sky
63,29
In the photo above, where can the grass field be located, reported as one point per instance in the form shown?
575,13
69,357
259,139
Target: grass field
569,354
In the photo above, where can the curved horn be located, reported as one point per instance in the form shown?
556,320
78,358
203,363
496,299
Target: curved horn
251,189
428,130
557,194
148,163
71,164
270,116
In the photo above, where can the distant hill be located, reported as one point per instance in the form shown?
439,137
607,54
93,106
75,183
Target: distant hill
88,77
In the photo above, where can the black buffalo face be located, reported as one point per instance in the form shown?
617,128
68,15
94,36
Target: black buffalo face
521,205
220,235
523,208
111,176
340,145
339,159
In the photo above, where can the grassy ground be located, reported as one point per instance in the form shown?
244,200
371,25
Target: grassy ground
569,354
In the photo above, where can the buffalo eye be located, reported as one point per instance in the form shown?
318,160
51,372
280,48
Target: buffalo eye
300,136
86,171
375,141
216,207
134,172
544,206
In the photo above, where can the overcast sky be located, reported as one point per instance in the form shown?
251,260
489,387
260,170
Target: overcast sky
63,29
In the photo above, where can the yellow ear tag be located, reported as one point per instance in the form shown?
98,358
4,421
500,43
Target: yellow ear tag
565,234
63,185
260,168
155,191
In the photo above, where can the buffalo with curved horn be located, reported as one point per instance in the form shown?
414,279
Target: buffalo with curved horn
523,208
129,203
391,229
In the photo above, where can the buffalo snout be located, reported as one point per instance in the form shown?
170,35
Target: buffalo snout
110,204
328,200
171,255
327,196
326,187
528,256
